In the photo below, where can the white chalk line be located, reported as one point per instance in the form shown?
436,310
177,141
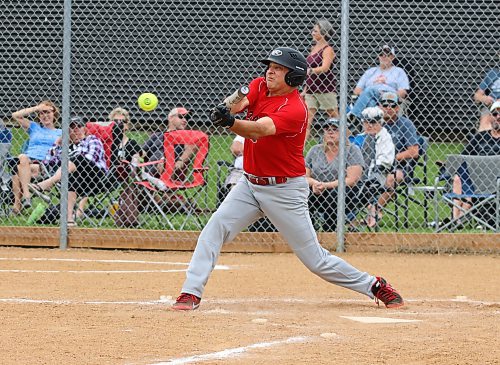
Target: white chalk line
232,352
93,260
244,301
217,267
97,271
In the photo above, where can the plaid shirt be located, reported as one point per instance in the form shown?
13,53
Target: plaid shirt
90,147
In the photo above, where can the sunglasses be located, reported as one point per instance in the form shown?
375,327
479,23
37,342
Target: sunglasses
182,116
371,121
43,112
119,121
495,114
330,129
389,104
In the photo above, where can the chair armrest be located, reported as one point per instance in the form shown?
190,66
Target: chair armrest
142,164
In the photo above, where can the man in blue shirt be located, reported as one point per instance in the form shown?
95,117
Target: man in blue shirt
405,138
384,78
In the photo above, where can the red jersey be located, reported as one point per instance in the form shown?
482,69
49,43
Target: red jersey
280,154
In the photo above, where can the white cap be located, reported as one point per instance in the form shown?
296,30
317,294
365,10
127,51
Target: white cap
373,113
495,105
179,110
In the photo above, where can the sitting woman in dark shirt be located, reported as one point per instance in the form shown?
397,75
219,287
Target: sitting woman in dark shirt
484,143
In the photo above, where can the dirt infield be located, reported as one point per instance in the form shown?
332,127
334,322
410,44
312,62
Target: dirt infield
110,307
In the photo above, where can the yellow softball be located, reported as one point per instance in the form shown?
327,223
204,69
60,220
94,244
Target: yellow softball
147,102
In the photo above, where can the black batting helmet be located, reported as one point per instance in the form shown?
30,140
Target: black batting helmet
292,59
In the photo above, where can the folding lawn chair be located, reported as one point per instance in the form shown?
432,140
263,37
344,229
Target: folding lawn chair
480,176
405,190
194,182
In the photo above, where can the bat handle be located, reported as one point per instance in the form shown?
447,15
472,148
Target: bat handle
237,96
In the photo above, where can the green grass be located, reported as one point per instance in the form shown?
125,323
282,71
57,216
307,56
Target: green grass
219,150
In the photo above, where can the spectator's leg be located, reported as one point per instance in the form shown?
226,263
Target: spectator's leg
47,184
369,97
330,208
81,207
71,205
16,189
24,174
390,183
457,189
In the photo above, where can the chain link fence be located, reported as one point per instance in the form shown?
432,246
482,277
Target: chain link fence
194,54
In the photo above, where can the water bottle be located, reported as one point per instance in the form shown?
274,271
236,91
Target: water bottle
37,213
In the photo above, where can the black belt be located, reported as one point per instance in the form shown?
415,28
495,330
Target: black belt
257,180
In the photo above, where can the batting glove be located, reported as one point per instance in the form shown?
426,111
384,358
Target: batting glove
221,116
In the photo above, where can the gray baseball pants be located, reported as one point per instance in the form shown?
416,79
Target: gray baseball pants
286,207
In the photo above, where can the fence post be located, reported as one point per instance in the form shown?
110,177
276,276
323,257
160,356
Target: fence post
66,105
344,37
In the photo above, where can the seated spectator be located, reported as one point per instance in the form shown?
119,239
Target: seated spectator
376,80
378,152
127,149
322,170
154,151
42,135
484,143
405,139
486,94
87,166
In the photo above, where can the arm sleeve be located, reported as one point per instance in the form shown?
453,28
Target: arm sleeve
403,81
385,150
355,157
411,135
362,81
488,79
310,157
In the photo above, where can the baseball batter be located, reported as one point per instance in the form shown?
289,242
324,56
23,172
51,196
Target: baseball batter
274,184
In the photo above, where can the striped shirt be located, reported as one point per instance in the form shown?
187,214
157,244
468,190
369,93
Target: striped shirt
90,147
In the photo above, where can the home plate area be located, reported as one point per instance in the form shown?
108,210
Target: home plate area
111,307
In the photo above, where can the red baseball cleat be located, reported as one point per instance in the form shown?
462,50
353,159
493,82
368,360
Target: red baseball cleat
186,302
384,292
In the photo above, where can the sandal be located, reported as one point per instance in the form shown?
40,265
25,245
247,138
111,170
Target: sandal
38,191
72,224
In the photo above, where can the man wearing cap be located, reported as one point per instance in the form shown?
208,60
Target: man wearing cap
87,166
486,94
322,175
376,80
153,148
484,143
406,141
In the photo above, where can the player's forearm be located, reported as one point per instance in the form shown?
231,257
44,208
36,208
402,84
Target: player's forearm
254,129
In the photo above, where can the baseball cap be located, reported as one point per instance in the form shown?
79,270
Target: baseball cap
495,105
76,122
388,50
179,110
372,115
331,122
389,96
